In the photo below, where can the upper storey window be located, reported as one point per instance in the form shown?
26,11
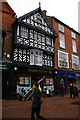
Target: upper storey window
24,32
48,41
38,19
73,35
74,46
62,40
61,28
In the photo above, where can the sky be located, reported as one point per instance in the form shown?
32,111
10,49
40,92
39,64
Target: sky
64,10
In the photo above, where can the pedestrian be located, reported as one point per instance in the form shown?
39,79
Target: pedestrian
62,89
36,102
75,91
71,90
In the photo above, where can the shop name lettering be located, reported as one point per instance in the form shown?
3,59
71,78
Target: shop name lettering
3,67
42,71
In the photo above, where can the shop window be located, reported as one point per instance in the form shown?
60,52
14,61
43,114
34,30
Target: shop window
49,81
25,83
49,85
63,59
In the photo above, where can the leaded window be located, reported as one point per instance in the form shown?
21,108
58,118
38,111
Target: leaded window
24,32
35,57
48,40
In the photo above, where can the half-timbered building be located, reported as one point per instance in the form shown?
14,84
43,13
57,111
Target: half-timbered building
33,51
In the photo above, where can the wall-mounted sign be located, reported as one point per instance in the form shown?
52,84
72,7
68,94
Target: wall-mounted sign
36,71
5,66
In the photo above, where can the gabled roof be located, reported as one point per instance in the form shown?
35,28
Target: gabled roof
20,19
5,7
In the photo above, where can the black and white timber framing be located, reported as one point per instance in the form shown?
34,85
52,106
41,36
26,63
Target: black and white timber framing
33,41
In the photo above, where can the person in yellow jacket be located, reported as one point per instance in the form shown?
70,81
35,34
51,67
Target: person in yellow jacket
39,87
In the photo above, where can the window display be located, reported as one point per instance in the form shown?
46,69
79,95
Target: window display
25,83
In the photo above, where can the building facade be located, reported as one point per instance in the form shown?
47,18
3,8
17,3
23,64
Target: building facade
6,20
33,51
67,56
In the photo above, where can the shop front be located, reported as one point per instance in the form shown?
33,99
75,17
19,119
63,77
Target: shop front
5,67
65,78
25,77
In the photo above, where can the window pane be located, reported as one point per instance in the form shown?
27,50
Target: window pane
61,28
31,58
75,62
24,32
62,41
48,41
74,46
73,35
63,59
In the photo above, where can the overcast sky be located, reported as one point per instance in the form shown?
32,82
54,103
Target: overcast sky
64,10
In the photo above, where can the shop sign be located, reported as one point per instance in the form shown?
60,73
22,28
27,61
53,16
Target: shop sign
5,66
37,71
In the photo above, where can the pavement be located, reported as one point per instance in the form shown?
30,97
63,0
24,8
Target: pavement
56,107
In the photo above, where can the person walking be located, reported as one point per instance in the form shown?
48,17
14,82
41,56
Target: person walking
36,102
71,90
62,89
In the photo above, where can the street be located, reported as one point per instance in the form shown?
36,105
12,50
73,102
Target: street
52,107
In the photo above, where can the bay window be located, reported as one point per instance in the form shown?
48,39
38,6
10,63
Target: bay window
35,57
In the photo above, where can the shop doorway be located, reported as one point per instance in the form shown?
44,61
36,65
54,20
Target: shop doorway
63,82
5,86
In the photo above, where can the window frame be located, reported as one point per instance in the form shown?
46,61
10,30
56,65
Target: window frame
61,28
36,61
74,48
75,62
73,35
67,59
62,40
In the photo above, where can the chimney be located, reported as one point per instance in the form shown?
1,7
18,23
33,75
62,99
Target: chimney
44,12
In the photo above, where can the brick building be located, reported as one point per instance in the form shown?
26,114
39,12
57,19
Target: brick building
7,16
67,55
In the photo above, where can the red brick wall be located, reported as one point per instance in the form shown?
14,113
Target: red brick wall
7,20
68,43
